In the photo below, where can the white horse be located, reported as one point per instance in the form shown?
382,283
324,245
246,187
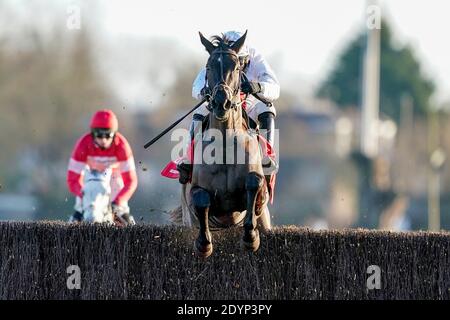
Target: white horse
97,196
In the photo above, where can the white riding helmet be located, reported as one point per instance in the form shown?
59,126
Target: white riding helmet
234,36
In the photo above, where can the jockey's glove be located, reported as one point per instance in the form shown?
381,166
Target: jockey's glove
125,219
121,215
205,92
250,87
117,208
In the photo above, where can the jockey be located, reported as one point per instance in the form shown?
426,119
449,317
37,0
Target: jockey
103,147
259,79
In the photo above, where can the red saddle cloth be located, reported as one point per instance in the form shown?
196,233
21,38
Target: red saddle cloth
170,170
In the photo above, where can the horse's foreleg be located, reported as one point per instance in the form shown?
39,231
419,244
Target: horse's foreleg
201,201
264,221
254,184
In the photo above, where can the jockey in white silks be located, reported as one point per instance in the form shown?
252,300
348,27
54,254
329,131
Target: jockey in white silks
260,80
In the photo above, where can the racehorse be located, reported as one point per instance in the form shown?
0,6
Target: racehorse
96,196
226,193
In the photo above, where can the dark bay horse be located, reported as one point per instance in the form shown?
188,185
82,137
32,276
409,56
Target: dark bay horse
230,191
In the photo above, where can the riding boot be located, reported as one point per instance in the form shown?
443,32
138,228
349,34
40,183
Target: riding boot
267,127
185,166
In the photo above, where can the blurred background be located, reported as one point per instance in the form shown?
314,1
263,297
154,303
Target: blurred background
363,113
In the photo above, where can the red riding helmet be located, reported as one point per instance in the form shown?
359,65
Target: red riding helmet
105,119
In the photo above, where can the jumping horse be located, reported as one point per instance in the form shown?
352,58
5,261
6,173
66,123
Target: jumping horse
232,192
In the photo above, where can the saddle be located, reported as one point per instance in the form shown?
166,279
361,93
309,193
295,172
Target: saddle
170,170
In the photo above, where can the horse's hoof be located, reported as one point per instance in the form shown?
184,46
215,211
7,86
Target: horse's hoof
203,251
250,240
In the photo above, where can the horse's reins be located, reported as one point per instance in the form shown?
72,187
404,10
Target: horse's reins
231,93
94,179
227,88
209,98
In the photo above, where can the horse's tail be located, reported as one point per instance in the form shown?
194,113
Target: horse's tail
176,216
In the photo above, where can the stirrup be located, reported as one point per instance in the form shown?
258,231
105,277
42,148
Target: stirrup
185,170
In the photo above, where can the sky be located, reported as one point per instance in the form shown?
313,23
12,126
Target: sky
305,35
301,38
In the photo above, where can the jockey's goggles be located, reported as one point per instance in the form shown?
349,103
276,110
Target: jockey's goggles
103,133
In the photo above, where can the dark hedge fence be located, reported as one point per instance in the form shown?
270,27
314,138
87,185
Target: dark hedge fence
155,262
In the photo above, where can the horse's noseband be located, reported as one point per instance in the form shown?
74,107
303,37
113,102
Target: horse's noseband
223,86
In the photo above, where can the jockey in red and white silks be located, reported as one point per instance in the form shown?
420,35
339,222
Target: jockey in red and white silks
100,149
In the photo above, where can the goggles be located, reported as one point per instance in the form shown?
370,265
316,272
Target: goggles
103,133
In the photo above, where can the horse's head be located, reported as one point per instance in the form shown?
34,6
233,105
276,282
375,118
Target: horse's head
96,195
223,73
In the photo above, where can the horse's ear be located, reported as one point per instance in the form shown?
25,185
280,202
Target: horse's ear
206,43
236,47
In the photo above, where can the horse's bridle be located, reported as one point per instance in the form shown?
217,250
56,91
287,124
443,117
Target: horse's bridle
231,93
